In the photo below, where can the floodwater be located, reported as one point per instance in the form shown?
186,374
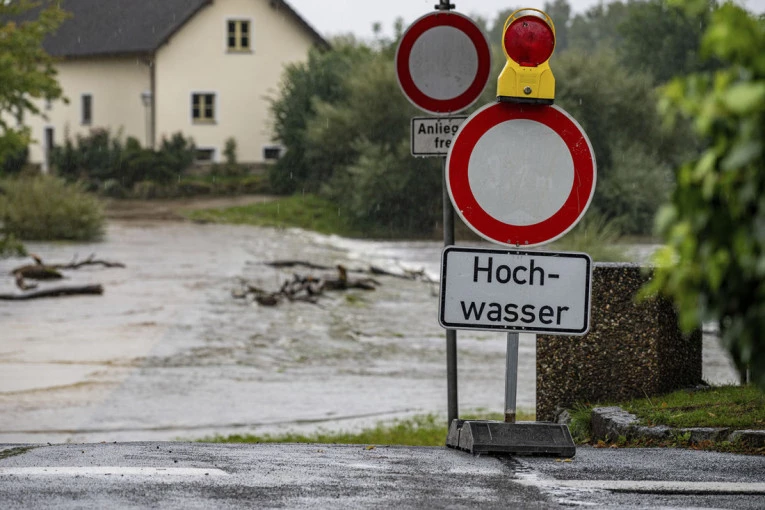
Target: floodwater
167,352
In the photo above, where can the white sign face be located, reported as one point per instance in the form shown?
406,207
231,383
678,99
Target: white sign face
511,290
432,136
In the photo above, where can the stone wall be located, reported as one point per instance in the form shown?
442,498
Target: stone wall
632,349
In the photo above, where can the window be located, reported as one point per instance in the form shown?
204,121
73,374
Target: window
203,108
238,35
204,155
87,109
272,152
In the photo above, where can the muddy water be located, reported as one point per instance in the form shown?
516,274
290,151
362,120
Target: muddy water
166,352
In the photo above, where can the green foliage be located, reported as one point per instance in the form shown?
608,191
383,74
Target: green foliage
14,162
634,152
581,418
713,265
108,165
657,37
304,211
321,78
11,247
596,237
27,74
737,407
47,208
419,430
664,39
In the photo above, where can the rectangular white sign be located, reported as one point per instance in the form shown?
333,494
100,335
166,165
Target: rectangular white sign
432,136
511,290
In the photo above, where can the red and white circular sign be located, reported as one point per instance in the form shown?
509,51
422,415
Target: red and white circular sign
521,175
443,62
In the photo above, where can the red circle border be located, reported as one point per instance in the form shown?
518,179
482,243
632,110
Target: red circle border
404,51
482,222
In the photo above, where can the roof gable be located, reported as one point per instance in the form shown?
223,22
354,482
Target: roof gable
116,27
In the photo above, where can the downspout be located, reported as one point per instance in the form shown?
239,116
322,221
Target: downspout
153,86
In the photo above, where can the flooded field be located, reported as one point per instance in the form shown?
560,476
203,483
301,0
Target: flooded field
167,353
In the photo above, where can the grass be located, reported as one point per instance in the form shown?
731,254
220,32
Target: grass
598,238
307,212
45,208
421,430
731,407
737,407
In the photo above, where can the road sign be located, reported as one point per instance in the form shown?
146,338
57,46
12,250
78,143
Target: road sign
519,174
432,136
511,290
443,62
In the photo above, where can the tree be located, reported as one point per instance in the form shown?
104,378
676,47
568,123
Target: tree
664,39
713,265
27,74
321,78
617,109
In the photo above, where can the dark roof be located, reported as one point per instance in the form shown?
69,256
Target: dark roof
114,27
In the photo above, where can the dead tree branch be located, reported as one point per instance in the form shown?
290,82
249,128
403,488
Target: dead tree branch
54,292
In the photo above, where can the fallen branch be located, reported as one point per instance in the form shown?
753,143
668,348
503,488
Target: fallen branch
41,271
55,292
304,288
90,261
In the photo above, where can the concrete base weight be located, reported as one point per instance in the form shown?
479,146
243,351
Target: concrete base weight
496,437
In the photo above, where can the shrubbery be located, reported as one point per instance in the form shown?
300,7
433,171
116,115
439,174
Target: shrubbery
47,208
107,165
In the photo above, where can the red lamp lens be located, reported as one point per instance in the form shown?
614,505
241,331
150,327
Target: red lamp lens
529,41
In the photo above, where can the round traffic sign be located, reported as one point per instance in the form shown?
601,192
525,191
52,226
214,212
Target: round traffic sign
443,62
519,174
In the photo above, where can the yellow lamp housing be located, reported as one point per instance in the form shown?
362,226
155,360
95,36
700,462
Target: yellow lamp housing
528,41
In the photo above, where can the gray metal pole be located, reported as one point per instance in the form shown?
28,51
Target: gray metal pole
451,334
511,377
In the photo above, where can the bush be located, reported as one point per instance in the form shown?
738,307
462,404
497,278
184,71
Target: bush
11,247
45,208
103,161
15,162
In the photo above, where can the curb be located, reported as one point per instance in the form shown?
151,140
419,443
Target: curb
614,422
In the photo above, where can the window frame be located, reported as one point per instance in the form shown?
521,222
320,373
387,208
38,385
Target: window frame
239,22
203,119
86,99
213,155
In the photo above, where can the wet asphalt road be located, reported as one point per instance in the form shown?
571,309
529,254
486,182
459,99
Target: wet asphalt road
198,475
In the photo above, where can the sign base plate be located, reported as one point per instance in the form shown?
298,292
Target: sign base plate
496,437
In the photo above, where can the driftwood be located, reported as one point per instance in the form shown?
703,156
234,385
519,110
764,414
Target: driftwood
55,292
405,274
305,288
42,271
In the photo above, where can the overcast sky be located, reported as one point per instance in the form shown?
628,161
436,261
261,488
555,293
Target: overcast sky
332,17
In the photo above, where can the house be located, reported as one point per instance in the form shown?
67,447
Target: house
151,68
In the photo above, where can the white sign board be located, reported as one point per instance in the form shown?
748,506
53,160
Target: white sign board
432,136
511,290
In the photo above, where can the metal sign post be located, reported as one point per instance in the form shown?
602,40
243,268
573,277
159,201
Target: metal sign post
443,63
511,377
451,334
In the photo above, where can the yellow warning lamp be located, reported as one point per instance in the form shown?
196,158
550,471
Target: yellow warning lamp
528,41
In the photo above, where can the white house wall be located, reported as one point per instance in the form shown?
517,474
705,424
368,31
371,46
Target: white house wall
115,85
196,60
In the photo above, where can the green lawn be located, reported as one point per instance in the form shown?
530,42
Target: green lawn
304,211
